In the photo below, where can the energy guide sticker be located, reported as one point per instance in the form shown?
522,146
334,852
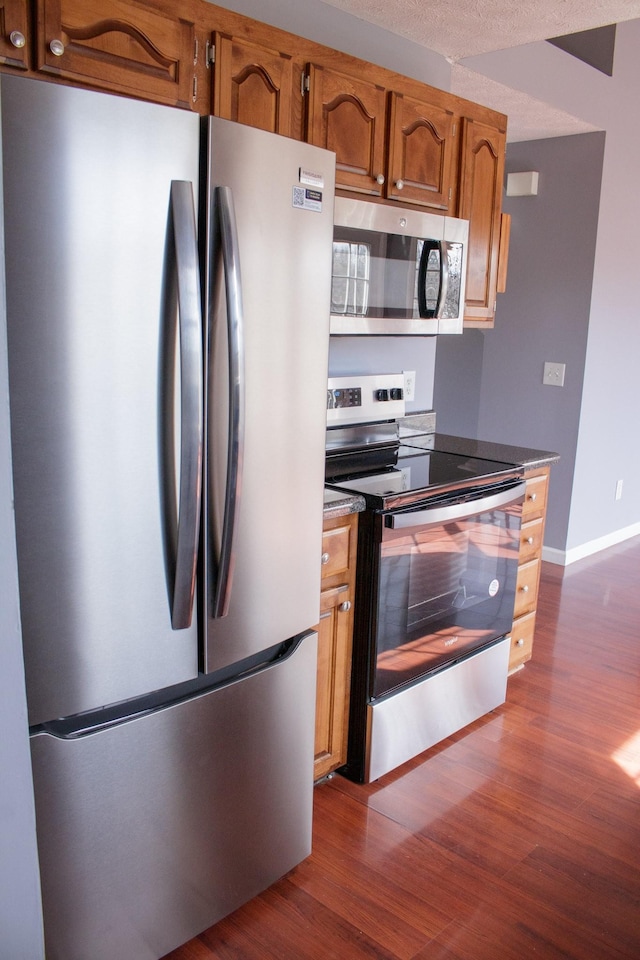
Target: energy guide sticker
307,199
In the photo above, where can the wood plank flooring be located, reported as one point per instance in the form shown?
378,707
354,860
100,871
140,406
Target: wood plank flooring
517,838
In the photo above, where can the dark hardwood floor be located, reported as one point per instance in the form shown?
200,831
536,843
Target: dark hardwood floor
517,838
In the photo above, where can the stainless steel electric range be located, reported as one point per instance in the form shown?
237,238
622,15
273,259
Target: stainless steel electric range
436,576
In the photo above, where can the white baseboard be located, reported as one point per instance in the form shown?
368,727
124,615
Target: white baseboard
566,557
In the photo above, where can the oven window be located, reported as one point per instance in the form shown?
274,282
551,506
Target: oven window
444,591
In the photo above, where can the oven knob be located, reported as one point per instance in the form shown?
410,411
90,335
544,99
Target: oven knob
382,395
396,393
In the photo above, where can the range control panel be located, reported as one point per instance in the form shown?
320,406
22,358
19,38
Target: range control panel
364,399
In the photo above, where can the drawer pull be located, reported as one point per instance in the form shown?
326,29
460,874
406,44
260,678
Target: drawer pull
345,606
529,540
525,588
325,558
533,496
17,39
520,642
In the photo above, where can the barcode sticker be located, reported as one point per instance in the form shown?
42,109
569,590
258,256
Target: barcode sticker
306,198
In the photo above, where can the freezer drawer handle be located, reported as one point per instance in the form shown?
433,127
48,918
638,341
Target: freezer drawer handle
187,278
235,335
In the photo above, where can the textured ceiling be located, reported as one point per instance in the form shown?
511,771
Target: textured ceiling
469,27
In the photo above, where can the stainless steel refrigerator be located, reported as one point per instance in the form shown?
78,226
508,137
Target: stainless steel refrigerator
168,454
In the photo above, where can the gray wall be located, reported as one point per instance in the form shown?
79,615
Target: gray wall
606,448
544,315
20,916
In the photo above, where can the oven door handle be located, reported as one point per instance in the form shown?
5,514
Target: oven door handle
454,511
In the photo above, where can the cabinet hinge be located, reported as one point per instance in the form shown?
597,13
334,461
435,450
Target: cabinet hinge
454,129
194,95
195,51
305,83
210,58
450,192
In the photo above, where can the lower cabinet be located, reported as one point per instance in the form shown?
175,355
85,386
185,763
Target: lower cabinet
529,559
335,632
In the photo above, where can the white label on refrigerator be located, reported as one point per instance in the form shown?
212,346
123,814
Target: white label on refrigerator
307,199
311,178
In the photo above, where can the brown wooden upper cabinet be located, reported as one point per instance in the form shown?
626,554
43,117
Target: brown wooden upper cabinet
142,49
14,36
252,84
387,145
348,115
481,175
422,154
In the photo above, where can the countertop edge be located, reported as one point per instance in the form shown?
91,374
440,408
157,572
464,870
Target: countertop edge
527,457
338,504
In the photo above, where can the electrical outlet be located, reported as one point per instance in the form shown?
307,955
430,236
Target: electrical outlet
409,384
619,489
553,374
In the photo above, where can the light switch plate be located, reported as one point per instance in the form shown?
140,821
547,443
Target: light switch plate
553,374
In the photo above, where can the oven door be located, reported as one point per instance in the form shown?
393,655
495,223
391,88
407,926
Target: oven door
446,582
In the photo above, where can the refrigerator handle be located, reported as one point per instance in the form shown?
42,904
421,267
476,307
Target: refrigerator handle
191,388
235,339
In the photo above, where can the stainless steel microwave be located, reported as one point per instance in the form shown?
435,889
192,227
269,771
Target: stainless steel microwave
396,272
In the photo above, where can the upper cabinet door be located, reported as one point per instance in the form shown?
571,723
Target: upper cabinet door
14,37
347,115
252,85
422,154
482,171
145,50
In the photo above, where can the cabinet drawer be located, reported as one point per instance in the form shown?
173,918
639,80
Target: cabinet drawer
535,497
526,588
531,540
521,640
335,551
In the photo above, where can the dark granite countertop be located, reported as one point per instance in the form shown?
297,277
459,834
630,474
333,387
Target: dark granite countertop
485,450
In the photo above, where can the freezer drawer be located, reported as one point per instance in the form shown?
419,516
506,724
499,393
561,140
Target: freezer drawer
152,830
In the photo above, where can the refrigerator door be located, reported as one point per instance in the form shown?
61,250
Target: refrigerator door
89,237
152,830
267,418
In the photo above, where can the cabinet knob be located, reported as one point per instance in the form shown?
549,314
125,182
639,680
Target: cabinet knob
529,540
344,606
520,642
399,184
17,38
380,178
325,558
56,47
525,588
533,496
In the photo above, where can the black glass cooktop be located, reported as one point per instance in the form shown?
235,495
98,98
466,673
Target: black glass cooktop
401,474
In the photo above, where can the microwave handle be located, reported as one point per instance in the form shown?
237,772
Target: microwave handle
454,511
443,286
444,279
